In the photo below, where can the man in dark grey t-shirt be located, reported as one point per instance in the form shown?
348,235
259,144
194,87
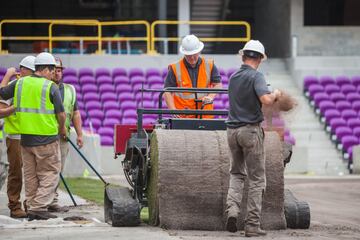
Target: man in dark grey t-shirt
247,92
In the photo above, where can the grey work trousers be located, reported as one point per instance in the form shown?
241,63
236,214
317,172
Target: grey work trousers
247,160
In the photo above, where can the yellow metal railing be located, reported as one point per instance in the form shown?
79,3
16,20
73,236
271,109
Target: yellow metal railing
214,39
86,22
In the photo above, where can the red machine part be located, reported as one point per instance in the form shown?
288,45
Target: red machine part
122,135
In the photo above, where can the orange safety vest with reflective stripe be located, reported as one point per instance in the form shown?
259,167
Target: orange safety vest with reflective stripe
187,100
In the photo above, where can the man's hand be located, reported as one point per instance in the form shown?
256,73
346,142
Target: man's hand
207,100
63,133
79,141
11,72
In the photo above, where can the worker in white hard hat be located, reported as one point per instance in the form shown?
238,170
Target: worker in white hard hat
192,71
41,118
68,96
11,128
248,91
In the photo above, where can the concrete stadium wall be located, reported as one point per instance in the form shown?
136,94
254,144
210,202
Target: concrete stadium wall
322,40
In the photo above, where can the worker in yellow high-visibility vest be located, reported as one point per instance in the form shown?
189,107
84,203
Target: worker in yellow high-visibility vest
41,117
11,128
68,95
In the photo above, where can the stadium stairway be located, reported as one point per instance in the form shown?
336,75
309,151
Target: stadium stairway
314,153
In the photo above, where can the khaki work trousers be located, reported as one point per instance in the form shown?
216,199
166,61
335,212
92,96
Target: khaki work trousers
247,160
64,151
14,181
42,166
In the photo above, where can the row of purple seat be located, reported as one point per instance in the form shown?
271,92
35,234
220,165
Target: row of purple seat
337,101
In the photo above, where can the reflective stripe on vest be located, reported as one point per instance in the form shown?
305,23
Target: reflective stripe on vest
34,110
68,102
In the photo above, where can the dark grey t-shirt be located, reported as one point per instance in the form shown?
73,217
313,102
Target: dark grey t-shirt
246,86
36,140
170,80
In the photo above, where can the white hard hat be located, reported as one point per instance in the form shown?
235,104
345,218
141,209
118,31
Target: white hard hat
255,46
28,62
45,58
191,45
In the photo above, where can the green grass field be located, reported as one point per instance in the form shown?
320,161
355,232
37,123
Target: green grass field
93,190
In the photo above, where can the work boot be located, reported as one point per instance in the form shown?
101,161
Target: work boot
40,215
231,224
17,213
254,232
58,208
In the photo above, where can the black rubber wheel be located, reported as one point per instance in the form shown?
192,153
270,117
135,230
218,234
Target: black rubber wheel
297,213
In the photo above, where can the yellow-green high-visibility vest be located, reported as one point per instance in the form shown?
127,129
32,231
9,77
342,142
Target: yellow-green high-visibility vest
68,102
11,124
34,110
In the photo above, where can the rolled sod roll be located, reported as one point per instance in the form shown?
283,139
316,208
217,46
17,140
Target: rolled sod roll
189,180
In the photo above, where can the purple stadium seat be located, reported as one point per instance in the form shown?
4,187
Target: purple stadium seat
315,88
106,141
342,105
326,80
123,88
92,105
290,139
224,80
77,87
218,104
89,88
136,87
353,122
106,131
104,80
355,80
156,86
341,132
87,80
335,97
348,142
144,96
336,123
351,97
226,104
348,113
331,114
325,105
152,72
96,123
108,97
348,88
3,71
332,88
231,71
96,113
85,72
129,113
79,96
111,105
308,81
119,72
127,105
81,105
342,80
121,80
155,79
105,88
146,104
137,79
136,72
69,72
222,72
356,105
319,97
110,122
70,79
102,72
129,120
91,96
126,96
356,132
278,122
113,114
148,120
